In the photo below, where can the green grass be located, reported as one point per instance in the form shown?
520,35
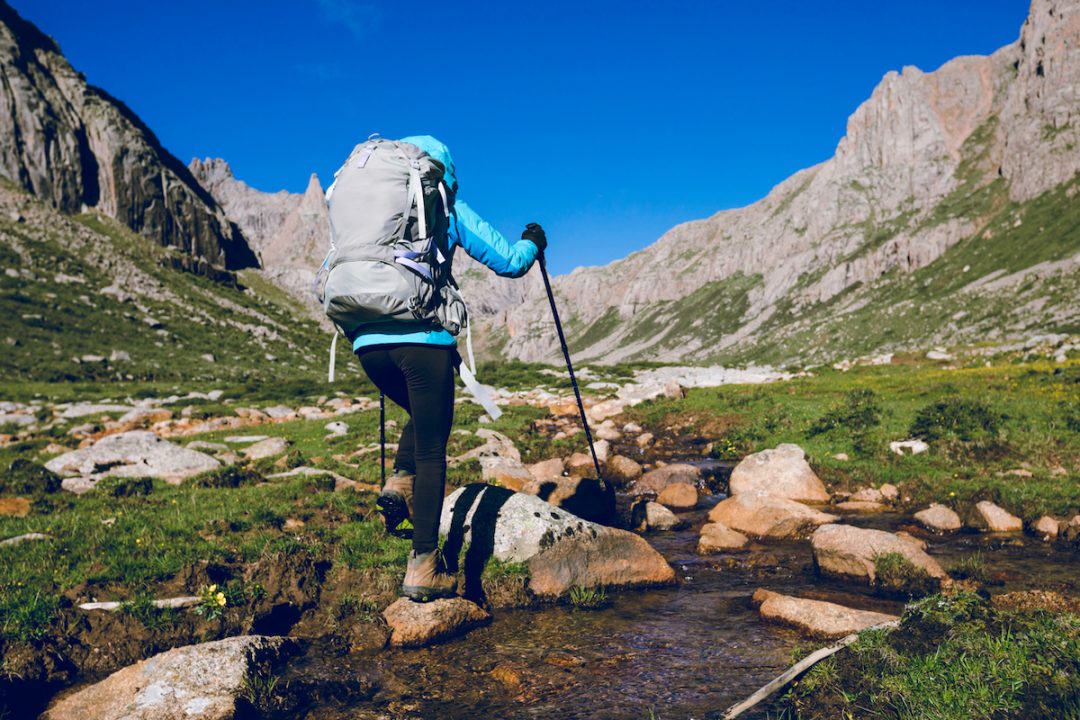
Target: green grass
1034,402
953,658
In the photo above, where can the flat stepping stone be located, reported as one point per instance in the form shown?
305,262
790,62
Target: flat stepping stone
414,624
816,617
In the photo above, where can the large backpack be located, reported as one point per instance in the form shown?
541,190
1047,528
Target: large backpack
389,259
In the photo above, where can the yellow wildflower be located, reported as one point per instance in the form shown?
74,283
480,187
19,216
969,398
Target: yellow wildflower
212,589
220,597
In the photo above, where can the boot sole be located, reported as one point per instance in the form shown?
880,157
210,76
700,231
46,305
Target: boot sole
394,511
425,594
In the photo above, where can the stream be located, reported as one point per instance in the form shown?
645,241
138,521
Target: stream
687,651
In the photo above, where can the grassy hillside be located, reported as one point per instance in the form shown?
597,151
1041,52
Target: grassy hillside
84,300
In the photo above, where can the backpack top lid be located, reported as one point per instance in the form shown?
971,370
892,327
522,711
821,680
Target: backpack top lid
438,150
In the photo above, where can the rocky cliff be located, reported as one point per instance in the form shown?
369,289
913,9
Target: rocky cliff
947,214
77,148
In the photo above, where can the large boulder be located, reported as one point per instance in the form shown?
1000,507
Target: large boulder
655,481
561,549
196,682
413,624
991,518
765,516
780,472
938,518
138,453
816,617
586,498
602,557
850,552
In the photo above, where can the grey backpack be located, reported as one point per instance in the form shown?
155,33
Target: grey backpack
389,259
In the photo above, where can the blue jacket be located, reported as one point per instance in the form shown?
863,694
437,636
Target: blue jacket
478,238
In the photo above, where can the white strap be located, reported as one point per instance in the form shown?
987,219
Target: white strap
480,393
445,202
333,357
468,341
418,195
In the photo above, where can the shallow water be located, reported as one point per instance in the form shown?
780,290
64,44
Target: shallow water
688,651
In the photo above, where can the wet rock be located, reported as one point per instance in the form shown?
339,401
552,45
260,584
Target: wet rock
938,518
991,518
521,527
889,492
816,617
780,472
269,447
547,469
718,537
138,453
644,440
605,558
505,472
655,481
659,518
1047,527
622,469
765,516
908,447
414,624
860,506
197,682
847,551
678,496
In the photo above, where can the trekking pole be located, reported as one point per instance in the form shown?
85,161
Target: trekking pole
570,367
382,437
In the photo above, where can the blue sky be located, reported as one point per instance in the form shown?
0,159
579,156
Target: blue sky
608,121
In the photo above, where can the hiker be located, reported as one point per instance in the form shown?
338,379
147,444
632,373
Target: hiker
413,361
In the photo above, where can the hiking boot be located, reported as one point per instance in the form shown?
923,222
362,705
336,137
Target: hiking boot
395,502
426,578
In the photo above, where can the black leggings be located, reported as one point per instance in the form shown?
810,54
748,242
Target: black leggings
419,378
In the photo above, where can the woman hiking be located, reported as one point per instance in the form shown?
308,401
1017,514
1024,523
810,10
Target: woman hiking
413,364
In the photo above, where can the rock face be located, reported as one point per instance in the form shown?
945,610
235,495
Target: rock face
847,551
780,472
991,518
197,682
984,129
562,550
938,518
764,516
413,624
138,453
75,146
815,617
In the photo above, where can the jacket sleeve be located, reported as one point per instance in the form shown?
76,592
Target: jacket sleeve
487,245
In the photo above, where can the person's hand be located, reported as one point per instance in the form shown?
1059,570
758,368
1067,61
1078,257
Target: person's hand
535,234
